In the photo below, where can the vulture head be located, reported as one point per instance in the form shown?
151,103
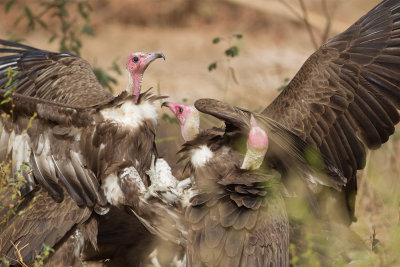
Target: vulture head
188,117
136,64
189,120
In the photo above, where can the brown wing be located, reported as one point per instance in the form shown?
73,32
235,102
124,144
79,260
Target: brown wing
40,221
346,95
59,77
286,150
244,224
231,115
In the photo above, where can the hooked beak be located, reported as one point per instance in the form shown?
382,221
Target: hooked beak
152,56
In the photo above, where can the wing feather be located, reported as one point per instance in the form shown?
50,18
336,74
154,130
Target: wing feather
59,77
355,79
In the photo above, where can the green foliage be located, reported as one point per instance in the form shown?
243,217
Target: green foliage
230,52
64,27
5,261
104,78
169,119
40,258
284,84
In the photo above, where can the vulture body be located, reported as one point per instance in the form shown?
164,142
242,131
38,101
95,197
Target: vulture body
71,149
237,216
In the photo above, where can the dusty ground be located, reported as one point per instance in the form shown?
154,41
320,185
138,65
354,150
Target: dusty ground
274,46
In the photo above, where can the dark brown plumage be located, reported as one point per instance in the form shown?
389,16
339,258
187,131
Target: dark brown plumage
343,100
237,217
80,145
345,97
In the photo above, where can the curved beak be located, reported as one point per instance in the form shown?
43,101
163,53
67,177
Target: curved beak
159,54
153,56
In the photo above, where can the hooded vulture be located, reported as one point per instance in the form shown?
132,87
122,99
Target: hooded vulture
237,216
344,99
70,152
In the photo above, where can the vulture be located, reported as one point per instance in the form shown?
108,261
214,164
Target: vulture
343,101
237,216
71,153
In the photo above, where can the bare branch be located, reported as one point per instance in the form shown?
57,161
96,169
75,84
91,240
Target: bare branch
307,23
294,11
328,24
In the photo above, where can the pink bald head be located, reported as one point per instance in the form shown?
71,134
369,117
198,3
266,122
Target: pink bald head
136,64
182,112
258,138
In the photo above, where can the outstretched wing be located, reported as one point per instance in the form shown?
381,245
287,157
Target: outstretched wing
346,95
59,77
286,151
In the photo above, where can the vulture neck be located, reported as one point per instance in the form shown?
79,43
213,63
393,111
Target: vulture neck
254,158
135,84
191,128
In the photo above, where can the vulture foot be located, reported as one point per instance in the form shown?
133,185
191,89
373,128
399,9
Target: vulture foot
163,184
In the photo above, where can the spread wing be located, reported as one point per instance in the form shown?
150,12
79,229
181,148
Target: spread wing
346,95
60,77
286,151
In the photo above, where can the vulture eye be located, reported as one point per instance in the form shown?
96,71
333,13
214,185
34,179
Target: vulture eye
180,110
135,59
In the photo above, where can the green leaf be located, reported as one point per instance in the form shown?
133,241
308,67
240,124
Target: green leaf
9,5
238,36
42,23
88,30
116,68
84,8
165,139
212,66
5,101
216,40
31,18
233,51
18,20
104,79
63,11
52,38
169,119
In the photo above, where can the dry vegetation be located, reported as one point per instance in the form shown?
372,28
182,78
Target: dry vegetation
276,42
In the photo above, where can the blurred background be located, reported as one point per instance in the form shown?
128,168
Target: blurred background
239,51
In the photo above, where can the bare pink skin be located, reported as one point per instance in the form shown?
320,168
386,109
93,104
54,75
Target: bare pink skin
136,64
257,137
181,112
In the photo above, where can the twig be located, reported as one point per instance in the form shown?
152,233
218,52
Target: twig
328,24
294,11
21,260
307,23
